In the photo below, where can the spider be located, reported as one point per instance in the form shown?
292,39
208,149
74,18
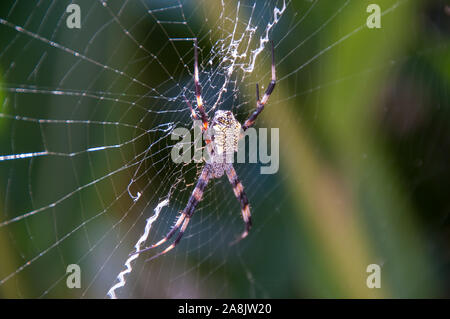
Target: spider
225,133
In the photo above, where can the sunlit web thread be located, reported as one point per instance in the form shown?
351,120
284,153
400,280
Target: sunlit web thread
101,239
168,128
99,96
63,238
75,53
63,198
121,277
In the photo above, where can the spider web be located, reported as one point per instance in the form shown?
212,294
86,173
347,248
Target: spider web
86,122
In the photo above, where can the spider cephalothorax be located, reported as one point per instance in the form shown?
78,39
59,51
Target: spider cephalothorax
223,134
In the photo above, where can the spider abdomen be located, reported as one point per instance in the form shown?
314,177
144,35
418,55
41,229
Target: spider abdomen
225,133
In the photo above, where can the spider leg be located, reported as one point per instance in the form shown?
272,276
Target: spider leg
186,215
166,238
238,190
193,114
195,117
198,89
260,103
177,240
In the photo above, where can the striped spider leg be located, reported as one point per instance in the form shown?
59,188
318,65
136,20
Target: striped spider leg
186,214
225,135
260,103
238,190
198,93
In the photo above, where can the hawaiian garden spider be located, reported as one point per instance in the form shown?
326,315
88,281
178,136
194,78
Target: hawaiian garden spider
226,132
